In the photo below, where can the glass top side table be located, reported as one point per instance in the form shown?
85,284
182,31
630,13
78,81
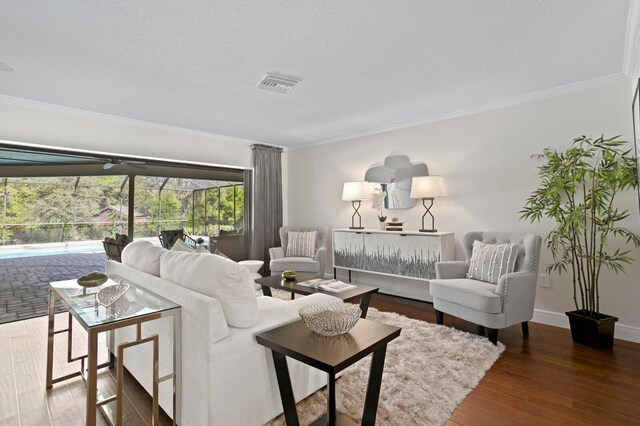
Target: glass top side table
136,306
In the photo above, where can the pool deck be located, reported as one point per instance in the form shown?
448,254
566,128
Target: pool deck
24,281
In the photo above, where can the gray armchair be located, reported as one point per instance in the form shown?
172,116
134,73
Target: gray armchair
280,262
493,306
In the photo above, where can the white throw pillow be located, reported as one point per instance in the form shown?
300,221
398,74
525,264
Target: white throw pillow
180,245
301,243
491,261
216,277
143,256
202,249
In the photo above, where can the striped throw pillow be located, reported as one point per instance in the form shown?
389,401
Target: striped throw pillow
491,261
302,244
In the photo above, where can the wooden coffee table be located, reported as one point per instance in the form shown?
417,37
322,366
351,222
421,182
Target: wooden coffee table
331,355
361,292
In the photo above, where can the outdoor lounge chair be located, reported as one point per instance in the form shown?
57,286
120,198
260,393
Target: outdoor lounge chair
169,238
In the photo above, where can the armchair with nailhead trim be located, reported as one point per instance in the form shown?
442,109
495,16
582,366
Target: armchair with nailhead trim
492,306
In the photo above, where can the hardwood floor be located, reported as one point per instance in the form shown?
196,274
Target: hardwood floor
24,401
545,379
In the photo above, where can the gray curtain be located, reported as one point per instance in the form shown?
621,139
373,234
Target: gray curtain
267,197
247,178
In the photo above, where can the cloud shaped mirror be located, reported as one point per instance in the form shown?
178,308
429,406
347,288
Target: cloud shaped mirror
395,178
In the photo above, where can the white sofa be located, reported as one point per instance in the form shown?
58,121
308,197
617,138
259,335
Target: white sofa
227,378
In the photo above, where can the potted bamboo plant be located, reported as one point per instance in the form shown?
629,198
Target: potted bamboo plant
578,191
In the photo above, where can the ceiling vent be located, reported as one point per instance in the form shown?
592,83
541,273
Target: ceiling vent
276,83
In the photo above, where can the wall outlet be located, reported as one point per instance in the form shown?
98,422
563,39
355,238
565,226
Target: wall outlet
544,281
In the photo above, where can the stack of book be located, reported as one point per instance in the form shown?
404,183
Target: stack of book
395,226
333,286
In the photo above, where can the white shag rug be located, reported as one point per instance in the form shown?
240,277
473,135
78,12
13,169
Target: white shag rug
428,371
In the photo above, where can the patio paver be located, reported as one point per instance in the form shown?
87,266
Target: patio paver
24,281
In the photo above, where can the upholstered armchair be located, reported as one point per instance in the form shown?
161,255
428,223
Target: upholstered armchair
493,306
280,261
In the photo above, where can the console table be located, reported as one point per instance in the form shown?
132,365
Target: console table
407,254
135,307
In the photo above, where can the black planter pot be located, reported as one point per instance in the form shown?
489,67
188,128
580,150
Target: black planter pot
594,332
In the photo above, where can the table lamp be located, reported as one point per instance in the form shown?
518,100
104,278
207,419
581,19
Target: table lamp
356,192
427,188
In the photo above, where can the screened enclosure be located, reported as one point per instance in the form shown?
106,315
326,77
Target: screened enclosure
58,205
77,208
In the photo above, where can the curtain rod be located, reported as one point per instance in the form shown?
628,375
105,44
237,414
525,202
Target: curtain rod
266,147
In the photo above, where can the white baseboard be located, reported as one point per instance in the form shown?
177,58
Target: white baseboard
550,318
623,332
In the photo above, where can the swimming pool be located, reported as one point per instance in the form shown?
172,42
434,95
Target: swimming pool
49,251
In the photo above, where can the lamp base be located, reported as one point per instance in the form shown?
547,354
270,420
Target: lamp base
356,227
428,230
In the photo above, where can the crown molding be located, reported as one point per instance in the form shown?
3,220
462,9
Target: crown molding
632,39
43,106
530,97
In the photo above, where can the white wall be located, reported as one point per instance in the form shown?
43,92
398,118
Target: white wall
485,160
46,126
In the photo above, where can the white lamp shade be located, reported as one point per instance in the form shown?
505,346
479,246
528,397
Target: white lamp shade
427,187
353,191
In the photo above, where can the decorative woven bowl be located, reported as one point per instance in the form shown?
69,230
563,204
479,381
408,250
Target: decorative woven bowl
109,295
330,318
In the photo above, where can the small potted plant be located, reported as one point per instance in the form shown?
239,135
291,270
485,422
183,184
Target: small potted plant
578,192
378,204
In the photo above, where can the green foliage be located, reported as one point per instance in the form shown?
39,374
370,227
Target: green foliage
578,190
220,213
55,209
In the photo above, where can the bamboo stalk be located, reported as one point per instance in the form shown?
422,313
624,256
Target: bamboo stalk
585,236
576,248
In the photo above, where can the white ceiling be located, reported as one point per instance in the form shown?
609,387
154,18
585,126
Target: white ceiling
363,64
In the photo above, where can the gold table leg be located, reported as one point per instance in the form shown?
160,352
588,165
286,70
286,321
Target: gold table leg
120,377
177,364
92,378
50,336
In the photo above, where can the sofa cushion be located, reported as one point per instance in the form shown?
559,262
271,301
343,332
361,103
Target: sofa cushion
299,264
474,294
180,245
267,302
143,256
216,277
490,261
302,244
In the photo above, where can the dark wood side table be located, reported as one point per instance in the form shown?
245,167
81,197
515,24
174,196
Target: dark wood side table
361,292
331,355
